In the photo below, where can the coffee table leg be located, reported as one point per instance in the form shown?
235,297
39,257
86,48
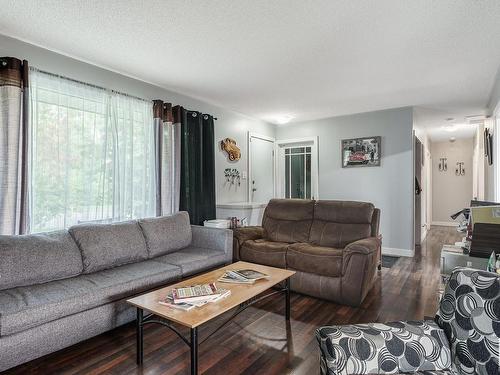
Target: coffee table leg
287,299
139,336
194,351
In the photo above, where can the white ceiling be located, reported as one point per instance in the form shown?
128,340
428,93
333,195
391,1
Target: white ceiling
307,59
441,125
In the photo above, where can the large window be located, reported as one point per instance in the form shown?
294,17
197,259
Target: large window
92,155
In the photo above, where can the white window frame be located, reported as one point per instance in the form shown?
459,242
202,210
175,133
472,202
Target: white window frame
280,158
252,135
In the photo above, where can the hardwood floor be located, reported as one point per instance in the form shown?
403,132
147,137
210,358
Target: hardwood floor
259,341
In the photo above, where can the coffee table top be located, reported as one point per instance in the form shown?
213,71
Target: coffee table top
199,315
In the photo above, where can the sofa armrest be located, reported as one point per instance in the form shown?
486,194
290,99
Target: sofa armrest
360,261
375,348
364,246
213,238
241,235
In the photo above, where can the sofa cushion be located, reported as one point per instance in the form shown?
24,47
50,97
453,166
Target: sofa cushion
288,220
194,259
38,258
265,252
325,261
166,234
26,307
338,223
109,245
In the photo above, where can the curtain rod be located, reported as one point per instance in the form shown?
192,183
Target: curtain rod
89,84
99,87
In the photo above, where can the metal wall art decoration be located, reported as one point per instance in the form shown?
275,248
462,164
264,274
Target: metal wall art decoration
232,176
361,152
443,164
229,146
460,170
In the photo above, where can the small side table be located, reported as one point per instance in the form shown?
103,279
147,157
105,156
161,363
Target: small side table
453,256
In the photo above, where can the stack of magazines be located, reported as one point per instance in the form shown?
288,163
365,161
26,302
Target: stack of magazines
187,298
242,276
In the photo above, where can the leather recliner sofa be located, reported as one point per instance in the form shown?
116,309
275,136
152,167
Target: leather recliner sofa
334,246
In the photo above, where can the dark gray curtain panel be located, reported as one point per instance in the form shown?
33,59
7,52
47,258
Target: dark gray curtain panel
14,104
197,185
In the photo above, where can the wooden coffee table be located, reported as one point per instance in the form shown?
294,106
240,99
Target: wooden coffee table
242,296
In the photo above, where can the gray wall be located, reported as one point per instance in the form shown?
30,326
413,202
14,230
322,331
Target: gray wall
451,193
389,187
229,124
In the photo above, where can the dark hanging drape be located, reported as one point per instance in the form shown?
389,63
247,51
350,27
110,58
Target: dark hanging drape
197,190
14,112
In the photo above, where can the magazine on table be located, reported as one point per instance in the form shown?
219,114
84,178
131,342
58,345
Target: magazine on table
244,276
195,293
186,306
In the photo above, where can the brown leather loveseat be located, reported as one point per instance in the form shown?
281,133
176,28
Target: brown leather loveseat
334,246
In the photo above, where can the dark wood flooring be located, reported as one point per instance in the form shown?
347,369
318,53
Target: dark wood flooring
259,341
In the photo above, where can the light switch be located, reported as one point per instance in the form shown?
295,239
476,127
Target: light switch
244,175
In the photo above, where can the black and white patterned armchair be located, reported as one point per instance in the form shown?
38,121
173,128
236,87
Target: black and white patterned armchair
464,339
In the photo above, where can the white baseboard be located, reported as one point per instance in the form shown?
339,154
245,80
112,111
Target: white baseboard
445,223
398,252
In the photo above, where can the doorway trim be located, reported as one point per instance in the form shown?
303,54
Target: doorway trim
280,156
252,135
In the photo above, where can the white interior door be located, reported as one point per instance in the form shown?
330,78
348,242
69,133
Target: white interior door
297,169
261,168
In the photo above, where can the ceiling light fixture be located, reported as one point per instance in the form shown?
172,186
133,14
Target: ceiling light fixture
282,119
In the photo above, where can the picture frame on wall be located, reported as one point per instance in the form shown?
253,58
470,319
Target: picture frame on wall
361,152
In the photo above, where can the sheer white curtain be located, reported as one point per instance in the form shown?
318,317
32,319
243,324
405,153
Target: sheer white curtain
171,176
92,154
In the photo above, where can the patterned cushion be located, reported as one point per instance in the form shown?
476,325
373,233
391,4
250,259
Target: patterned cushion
434,372
377,348
469,313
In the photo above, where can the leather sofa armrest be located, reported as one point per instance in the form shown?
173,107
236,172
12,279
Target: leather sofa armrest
241,235
363,246
360,261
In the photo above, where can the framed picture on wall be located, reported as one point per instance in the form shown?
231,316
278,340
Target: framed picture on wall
361,152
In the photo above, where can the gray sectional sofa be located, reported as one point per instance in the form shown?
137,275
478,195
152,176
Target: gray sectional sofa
59,288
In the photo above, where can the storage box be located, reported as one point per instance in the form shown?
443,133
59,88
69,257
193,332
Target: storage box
217,223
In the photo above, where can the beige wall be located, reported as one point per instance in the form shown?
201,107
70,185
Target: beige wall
451,193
